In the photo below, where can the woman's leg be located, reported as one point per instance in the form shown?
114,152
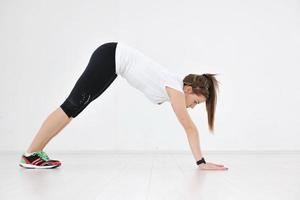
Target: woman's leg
95,79
54,123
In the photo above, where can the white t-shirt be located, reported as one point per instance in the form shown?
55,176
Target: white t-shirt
145,74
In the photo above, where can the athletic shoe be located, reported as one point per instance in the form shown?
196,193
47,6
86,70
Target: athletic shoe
38,160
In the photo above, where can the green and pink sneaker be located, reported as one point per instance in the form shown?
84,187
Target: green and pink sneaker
38,160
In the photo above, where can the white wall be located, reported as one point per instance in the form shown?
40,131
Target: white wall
253,45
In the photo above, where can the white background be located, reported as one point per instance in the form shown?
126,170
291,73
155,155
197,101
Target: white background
254,46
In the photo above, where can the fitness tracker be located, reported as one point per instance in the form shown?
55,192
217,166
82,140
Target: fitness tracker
200,161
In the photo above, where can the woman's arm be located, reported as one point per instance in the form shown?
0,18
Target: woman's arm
193,138
177,100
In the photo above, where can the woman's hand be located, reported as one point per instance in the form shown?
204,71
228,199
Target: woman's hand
212,166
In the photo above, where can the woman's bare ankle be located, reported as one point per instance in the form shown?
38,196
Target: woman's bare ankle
33,150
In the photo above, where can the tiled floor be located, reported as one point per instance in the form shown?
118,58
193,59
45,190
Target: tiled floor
153,177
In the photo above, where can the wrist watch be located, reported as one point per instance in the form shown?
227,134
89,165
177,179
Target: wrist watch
201,161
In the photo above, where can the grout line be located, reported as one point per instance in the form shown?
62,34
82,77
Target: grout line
177,164
150,177
155,152
112,179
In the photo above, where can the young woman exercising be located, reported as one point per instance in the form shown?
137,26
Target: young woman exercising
158,84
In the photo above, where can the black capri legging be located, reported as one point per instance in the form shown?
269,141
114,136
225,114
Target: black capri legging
98,75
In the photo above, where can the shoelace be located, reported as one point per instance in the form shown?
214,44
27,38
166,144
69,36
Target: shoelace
42,155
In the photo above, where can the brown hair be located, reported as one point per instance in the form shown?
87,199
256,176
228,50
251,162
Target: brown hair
206,85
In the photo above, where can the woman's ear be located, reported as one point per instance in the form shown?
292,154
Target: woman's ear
188,89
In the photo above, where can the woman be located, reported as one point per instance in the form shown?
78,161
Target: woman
159,85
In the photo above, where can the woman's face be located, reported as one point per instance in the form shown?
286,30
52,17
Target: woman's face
191,99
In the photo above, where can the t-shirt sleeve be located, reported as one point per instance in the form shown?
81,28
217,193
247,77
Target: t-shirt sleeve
175,84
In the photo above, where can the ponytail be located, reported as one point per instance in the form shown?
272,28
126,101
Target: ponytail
206,85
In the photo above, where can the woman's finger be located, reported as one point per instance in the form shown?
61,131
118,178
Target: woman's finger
220,167
208,166
216,164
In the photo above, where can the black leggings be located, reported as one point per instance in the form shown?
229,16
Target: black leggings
98,75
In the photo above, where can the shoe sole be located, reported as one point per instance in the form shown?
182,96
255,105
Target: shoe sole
29,166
